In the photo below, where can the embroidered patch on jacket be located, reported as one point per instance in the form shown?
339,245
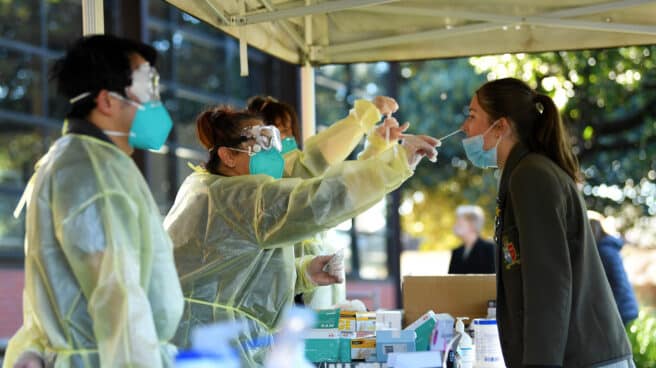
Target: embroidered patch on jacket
510,254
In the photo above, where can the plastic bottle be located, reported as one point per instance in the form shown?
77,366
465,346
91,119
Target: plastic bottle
465,351
289,350
210,347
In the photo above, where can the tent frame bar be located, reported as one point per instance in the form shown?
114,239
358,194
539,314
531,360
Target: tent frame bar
300,11
222,18
492,22
295,37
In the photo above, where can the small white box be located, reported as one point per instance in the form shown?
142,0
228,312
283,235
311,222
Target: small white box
388,320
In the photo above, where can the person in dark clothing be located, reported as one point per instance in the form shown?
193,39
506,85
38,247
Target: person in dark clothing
475,255
609,247
555,307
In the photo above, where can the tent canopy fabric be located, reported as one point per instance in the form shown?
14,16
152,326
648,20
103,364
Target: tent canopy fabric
347,31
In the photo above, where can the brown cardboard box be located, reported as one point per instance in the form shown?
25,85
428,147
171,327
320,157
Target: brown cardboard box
458,295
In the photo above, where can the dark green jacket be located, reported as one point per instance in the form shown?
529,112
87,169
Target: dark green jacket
555,307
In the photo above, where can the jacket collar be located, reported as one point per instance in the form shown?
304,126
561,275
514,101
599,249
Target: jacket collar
517,153
84,127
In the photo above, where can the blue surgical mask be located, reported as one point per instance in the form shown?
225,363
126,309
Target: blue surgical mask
288,145
475,152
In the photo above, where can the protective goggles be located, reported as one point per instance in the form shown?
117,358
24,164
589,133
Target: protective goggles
145,85
266,137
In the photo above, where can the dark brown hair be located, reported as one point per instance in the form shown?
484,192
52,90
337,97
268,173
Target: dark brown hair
221,126
275,112
535,119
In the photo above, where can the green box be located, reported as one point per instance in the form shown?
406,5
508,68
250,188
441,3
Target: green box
322,345
345,349
327,319
424,327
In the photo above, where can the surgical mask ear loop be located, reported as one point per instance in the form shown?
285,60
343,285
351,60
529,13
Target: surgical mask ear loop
135,104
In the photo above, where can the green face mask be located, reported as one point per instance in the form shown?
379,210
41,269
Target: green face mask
268,162
288,145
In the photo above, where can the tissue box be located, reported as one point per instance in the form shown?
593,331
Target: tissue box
423,359
389,320
322,345
347,321
363,348
366,321
394,342
443,333
327,318
424,327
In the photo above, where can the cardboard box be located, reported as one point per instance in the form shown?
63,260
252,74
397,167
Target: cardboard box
389,320
458,295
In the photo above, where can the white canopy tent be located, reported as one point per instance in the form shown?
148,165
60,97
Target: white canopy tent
316,32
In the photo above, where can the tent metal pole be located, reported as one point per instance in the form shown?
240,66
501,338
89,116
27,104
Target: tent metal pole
538,20
308,114
414,37
319,8
492,22
219,14
93,21
308,97
596,9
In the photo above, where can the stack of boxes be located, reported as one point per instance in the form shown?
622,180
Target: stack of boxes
345,336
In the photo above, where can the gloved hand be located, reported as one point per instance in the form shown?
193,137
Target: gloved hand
327,270
386,105
390,129
29,360
418,147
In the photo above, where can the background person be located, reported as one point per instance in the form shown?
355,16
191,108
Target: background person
554,305
475,255
609,247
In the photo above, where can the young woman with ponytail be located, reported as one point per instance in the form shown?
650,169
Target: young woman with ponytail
555,307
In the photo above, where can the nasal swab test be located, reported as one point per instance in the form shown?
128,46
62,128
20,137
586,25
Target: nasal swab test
450,135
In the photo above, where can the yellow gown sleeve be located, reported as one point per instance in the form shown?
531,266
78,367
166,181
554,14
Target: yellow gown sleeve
277,213
303,283
334,144
109,271
375,145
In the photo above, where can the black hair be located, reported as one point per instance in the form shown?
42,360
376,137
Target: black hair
94,63
276,113
535,119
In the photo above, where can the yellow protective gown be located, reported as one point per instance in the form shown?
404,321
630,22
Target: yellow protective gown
329,147
234,239
101,288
